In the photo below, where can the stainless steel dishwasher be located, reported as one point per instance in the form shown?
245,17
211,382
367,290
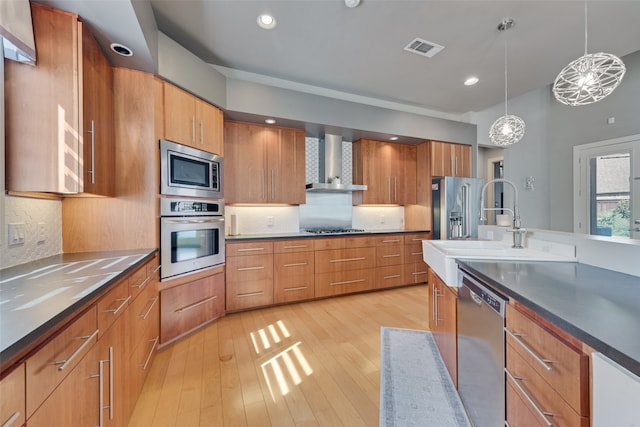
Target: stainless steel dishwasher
481,352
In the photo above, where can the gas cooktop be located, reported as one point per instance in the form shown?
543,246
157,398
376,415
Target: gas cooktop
333,230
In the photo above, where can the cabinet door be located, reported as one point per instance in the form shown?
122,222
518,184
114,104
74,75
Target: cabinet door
379,165
12,401
97,118
209,128
462,160
286,166
406,172
245,163
446,337
179,116
440,159
115,355
249,281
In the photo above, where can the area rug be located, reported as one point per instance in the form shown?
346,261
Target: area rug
415,387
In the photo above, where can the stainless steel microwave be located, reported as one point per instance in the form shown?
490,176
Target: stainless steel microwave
189,172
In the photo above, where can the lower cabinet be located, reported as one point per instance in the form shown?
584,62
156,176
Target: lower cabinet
191,305
249,270
547,374
443,303
389,261
12,398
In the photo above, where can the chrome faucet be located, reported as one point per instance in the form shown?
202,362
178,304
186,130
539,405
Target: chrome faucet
517,230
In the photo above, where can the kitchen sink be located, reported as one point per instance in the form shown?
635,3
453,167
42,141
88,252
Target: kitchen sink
441,255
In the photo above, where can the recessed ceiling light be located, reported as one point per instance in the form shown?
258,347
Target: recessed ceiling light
266,21
121,49
471,81
393,138
270,121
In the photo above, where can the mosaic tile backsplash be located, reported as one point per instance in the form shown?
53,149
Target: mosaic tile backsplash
42,221
312,156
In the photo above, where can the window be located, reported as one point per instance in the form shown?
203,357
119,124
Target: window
607,188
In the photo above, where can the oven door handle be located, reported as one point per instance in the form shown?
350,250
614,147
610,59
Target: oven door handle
192,221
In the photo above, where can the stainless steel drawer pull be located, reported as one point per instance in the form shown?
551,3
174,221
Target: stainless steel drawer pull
392,276
124,302
346,282
251,268
416,253
540,360
155,270
299,288
391,241
347,259
295,246
12,419
391,256
195,304
541,413
250,294
141,285
250,249
87,340
297,264
153,347
146,314
419,272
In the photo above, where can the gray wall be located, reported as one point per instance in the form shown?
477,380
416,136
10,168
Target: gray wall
546,151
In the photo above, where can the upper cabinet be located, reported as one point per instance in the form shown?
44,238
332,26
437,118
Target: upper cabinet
190,121
264,164
59,113
388,169
450,159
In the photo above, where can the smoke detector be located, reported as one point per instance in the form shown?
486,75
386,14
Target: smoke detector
423,47
352,3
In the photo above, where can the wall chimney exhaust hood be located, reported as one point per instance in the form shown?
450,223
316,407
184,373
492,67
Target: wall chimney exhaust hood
330,166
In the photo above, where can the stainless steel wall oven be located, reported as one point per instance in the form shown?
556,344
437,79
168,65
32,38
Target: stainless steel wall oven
191,235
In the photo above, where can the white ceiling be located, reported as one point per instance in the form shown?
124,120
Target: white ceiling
359,51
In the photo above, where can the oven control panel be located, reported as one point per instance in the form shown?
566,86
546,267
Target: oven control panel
187,207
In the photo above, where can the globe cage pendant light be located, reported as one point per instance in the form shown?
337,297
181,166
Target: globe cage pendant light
508,129
589,78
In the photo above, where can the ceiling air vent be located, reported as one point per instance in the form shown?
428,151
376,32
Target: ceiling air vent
423,47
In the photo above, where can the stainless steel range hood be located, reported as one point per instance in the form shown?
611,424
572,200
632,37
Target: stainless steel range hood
330,166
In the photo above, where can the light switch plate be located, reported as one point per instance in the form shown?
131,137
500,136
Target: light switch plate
16,234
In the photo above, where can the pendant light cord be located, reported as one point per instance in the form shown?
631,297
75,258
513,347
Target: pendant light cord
585,26
505,76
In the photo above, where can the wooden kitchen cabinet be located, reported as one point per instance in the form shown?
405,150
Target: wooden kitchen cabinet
62,142
415,268
449,159
191,305
546,369
389,260
191,121
388,169
12,398
294,270
443,323
249,268
344,265
264,164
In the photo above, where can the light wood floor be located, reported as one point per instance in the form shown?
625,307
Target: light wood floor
308,364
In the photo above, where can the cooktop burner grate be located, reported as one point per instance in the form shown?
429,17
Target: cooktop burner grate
333,230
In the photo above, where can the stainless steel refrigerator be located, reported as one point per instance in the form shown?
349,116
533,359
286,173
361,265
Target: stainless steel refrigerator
455,204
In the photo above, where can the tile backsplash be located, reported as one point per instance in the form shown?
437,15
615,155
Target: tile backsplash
42,221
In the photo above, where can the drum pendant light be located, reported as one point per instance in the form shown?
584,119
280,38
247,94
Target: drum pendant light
589,78
508,129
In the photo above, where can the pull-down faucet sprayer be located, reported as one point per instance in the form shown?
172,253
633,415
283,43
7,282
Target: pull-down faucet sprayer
518,231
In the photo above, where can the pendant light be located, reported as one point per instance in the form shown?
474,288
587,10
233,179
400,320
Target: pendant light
508,129
589,78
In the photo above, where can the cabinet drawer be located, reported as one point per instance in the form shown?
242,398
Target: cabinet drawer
413,252
389,255
295,264
519,412
138,280
389,239
153,267
52,363
415,272
185,307
344,259
249,268
253,293
249,248
12,398
141,359
336,283
416,238
389,276
293,288
294,245
144,315
111,306
569,369
344,242
540,392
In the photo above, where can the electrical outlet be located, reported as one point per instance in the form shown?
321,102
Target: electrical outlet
382,219
270,221
42,232
16,234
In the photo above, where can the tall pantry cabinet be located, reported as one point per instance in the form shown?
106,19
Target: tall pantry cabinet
59,113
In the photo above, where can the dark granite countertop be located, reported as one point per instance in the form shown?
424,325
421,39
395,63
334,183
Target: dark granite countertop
36,296
598,306
278,236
